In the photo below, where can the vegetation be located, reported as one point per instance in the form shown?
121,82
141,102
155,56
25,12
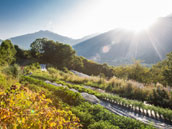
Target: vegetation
63,56
167,72
87,112
162,111
27,101
22,108
7,53
158,96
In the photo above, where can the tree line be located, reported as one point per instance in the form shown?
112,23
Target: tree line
63,56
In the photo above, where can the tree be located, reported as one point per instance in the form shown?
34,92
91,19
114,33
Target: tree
55,53
37,47
168,69
7,52
139,73
157,73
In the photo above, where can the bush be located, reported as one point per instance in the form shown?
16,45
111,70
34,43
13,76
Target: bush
21,108
13,70
3,81
102,125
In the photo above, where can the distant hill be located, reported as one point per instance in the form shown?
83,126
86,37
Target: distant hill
0,40
24,41
119,46
85,38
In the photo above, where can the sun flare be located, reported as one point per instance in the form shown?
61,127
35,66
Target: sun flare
94,16
138,25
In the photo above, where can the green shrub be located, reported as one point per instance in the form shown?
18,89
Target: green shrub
13,70
3,81
102,125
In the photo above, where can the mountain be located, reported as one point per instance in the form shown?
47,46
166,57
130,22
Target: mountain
24,41
0,40
85,38
119,46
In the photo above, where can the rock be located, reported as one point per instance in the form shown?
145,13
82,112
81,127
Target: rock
65,86
48,82
91,98
73,90
55,84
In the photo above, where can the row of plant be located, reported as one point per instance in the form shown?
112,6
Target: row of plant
163,113
160,113
158,96
102,118
70,97
91,116
139,107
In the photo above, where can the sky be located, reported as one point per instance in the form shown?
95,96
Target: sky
78,18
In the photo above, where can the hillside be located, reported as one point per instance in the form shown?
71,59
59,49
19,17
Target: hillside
121,47
24,41
58,98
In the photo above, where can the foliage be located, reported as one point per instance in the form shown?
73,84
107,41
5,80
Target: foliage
21,108
168,69
97,117
135,72
70,97
7,52
55,53
30,68
23,56
163,111
127,89
3,81
13,70
86,112
102,125
157,73
161,97
91,68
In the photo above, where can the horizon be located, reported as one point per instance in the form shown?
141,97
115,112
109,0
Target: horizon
77,19
44,31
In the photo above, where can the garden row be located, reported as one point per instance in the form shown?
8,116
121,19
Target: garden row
155,112
91,116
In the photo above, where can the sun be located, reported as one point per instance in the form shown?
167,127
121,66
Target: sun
137,24
97,16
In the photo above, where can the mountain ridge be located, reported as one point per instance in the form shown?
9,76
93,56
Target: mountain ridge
119,46
24,41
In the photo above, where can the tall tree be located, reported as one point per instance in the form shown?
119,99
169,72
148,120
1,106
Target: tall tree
7,52
54,53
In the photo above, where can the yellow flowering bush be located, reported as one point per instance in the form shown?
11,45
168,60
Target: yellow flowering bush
21,108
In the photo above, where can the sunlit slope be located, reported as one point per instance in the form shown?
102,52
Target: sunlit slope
120,46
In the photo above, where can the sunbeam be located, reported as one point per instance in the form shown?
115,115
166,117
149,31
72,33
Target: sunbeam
154,43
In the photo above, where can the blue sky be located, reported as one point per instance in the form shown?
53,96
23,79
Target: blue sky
77,18
24,16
